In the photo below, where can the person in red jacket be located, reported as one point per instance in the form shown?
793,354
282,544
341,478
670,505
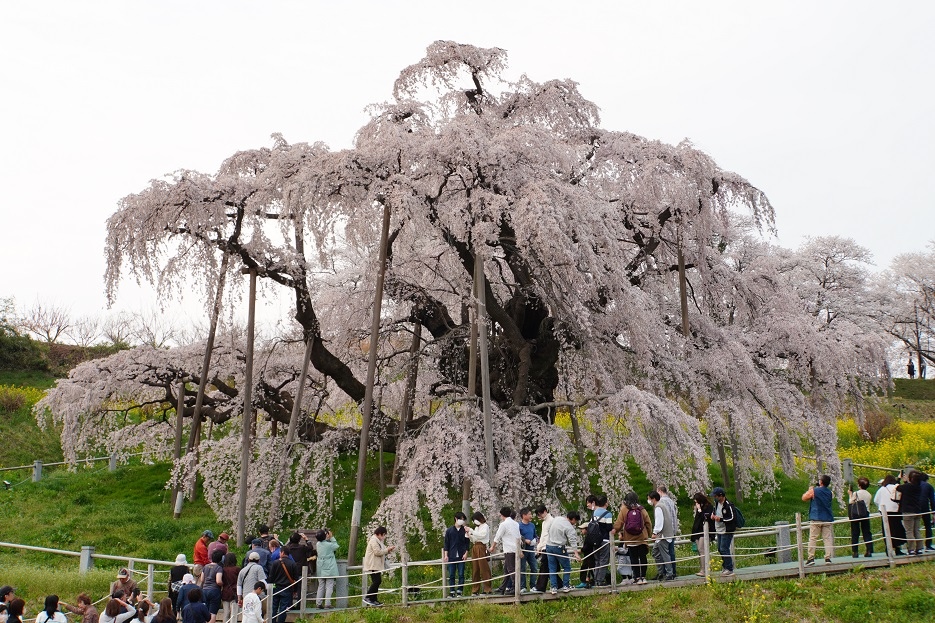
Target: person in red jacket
201,552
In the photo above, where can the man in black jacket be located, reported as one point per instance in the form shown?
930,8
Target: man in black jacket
285,575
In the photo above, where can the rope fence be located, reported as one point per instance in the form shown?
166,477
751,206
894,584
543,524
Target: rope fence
781,547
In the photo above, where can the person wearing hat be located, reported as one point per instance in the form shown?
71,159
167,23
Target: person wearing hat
188,584
251,573
176,574
123,583
257,546
7,594
725,523
200,557
218,546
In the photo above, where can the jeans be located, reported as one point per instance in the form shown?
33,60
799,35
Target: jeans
282,601
456,569
528,567
724,539
558,558
672,557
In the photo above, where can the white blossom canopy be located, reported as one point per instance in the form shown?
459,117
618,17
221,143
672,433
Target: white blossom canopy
581,231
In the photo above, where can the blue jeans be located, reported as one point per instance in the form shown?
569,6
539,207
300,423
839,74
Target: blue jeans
723,548
281,603
456,569
672,555
557,557
528,560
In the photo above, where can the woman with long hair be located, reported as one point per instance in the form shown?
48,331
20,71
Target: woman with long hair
51,612
166,613
15,611
703,510
229,573
887,499
636,542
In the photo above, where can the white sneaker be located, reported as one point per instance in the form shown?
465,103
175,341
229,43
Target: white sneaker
534,590
553,591
566,589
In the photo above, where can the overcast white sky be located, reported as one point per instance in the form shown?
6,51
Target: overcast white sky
826,106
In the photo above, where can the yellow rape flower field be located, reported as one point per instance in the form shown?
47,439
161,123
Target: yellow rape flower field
910,443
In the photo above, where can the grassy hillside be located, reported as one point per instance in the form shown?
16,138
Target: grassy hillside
127,512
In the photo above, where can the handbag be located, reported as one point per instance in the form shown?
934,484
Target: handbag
857,510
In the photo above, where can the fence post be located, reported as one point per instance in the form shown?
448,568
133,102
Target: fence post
404,571
444,576
270,588
517,571
235,612
847,466
706,535
341,585
888,538
150,572
303,591
112,465
130,567
783,542
798,544
36,471
86,560
612,562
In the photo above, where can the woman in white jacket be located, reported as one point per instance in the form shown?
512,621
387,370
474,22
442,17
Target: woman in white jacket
886,499
51,612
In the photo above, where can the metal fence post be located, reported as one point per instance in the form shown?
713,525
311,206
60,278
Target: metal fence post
517,573
444,576
150,572
304,591
86,560
341,585
799,545
404,571
112,465
612,563
706,535
847,467
36,471
783,542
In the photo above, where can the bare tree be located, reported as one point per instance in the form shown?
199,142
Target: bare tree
118,328
152,328
86,331
46,321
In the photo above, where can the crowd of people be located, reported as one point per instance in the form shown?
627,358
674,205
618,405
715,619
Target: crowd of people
207,589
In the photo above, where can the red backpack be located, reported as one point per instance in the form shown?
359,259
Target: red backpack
634,521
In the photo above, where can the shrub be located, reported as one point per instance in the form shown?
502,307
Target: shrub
15,398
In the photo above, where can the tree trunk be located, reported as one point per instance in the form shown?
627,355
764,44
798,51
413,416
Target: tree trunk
722,461
366,412
579,445
285,462
412,375
194,437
